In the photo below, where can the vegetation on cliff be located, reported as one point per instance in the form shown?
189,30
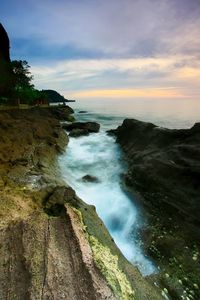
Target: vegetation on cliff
15,77
54,97
46,252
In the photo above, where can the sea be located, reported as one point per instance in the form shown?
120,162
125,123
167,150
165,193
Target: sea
99,155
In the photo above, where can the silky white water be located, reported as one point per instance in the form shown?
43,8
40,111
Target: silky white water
98,155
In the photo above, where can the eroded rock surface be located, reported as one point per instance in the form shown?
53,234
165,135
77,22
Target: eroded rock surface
164,166
52,245
164,161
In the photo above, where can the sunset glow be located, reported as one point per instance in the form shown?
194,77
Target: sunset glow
129,93
151,49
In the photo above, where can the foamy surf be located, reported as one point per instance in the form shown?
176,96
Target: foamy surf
98,155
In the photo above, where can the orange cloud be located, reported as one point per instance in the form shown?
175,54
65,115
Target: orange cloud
129,93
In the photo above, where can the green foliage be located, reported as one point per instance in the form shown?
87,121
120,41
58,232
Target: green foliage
3,100
21,74
28,95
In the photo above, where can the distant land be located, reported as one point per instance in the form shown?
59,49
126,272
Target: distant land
55,97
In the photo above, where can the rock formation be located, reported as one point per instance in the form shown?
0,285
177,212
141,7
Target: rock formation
4,45
5,69
164,166
164,161
81,128
53,245
89,126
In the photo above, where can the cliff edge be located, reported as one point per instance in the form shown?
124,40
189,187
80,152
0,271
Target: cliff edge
52,244
164,167
5,68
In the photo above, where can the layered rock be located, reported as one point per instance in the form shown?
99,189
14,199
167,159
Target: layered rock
53,245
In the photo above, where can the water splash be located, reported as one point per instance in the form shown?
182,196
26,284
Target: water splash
98,155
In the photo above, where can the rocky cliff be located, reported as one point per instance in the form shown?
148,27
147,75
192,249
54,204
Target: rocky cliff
166,162
5,69
164,166
5,44
52,244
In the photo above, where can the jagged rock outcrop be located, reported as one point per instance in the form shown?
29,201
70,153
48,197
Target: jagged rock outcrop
5,68
164,166
53,245
83,127
164,161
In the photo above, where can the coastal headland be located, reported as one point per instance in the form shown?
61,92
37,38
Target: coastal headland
164,167
53,245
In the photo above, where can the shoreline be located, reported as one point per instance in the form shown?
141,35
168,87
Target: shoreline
41,217
163,168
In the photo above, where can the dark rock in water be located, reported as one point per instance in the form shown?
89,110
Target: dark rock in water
165,161
111,132
78,132
89,126
164,166
82,112
90,178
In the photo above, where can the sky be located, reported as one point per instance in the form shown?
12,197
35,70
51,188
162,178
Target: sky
88,49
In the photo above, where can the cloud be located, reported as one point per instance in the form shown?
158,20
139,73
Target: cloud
88,46
114,28
177,75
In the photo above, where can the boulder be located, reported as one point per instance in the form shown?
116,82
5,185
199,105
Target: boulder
90,178
78,132
89,126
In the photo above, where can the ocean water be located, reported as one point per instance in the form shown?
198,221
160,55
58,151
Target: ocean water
171,113
98,155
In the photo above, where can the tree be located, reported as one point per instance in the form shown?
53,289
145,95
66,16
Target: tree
22,75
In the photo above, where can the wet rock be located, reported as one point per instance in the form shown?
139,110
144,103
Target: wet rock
165,161
89,126
82,112
90,178
78,132
164,166
45,251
